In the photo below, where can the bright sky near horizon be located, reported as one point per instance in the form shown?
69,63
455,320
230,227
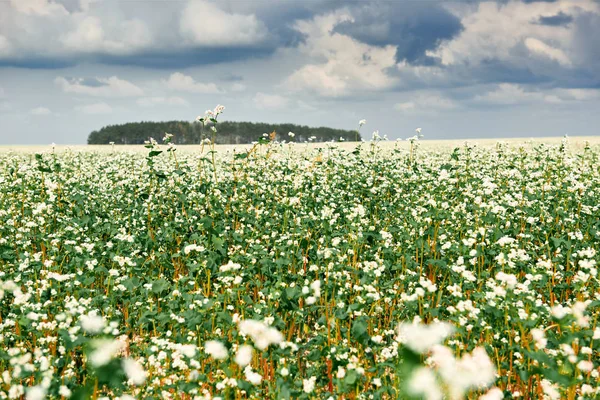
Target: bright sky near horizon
457,69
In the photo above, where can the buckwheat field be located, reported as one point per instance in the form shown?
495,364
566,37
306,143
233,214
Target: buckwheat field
283,271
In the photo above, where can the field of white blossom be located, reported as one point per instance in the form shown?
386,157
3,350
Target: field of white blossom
287,271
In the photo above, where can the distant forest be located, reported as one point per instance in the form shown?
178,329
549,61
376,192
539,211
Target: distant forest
185,132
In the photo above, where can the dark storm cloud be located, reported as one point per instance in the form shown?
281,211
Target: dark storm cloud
413,27
559,19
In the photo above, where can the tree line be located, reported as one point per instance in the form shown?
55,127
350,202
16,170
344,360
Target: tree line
229,132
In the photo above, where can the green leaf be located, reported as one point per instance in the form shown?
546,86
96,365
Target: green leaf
160,286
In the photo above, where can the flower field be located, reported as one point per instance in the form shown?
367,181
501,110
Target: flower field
288,272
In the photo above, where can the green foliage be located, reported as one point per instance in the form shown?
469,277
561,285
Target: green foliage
330,248
230,132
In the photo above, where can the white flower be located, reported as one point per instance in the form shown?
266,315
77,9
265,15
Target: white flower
134,371
362,122
539,338
252,377
559,312
219,109
104,351
243,356
261,334
421,338
216,349
422,382
308,385
492,394
585,366
504,240
35,393
474,370
188,350
230,266
64,391
291,134
316,287
92,323
550,390
284,371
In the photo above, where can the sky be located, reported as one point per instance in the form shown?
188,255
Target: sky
458,70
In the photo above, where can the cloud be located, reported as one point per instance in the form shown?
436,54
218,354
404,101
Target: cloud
538,47
586,44
99,87
426,103
413,27
38,7
185,83
158,101
238,87
40,111
89,36
507,93
505,42
5,46
556,20
66,35
96,108
204,24
513,94
270,101
59,33
349,65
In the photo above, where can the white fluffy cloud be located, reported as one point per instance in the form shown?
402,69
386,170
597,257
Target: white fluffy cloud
511,32
538,47
33,29
102,87
38,7
96,108
40,111
73,31
204,24
185,83
89,36
348,65
270,101
159,101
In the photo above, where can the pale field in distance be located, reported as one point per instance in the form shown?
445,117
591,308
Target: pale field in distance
575,142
